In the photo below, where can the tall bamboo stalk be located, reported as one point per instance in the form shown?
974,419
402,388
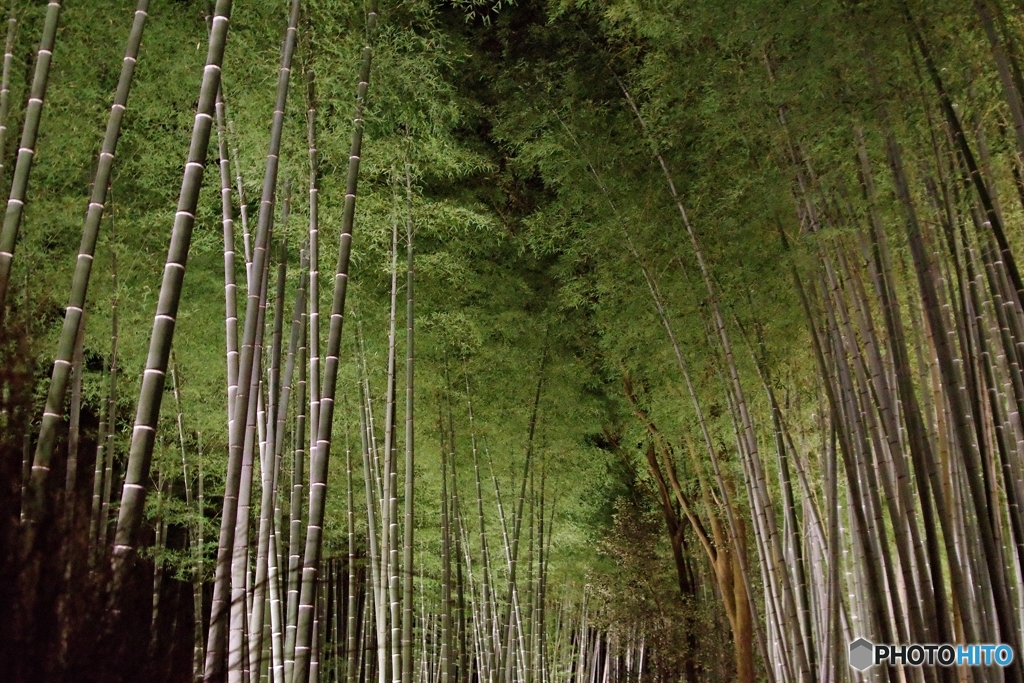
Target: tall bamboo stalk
350,627
407,542
230,288
26,149
389,501
251,336
445,655
271,463
5,82
102,505
74,425
254,438
372,498
314,273
507,621
487,640
318,466
151,393
53,412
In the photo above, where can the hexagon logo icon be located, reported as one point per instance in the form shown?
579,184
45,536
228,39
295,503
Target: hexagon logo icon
861,654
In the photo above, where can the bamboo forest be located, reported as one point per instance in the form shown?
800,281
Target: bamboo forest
512,341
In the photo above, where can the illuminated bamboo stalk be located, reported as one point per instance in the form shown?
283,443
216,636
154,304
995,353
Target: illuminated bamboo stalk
97,482
74,424
314,288
246,367
445,655
5,82
199,646
295,535
110,442
289,561
526,629
318,466
350,629
371,517
230,288
26,149
370,428
151,393
53,412
467,560
407,543
460,661
486,599
252,439
272,462
70,497
508,620
294,563
276,627
243,210
268,425
388,503
316,648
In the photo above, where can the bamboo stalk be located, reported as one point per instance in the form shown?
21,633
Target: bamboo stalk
26,149
5,82
102,521
270,464
252,333
410,434
151,392
350,627
318,466
53,412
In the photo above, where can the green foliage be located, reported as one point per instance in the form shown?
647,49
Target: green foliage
499,110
